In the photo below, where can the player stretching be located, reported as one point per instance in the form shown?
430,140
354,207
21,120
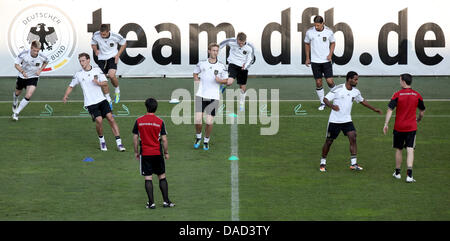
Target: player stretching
30,64
91,79
340,119
242,55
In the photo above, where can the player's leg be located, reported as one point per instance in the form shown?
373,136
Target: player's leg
149,190
318,74
410,144
198,120
242,81
333,131
115,130
208,131
398,144
164,187
210,111
325,149
328,73
398,163
29,92
99,128
353,150
103,65
16,95
115,83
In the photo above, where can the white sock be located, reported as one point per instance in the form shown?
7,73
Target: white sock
199,136
22,105
321,94
108,98
206,140
117,90
243,94
119,142
101,139
15,98
353,160
323,161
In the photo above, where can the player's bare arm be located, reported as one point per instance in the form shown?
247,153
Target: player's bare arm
19,68
165,145
328,103
122,48
386,120
307,49
196,79
66,95
332,47
96,51
366,104
136,149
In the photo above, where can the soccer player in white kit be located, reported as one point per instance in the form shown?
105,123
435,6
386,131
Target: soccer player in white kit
91,79
320,44
242,56
340,119
108,57
209,74
30,64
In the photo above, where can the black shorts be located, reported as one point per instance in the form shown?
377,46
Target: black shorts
237,73
322,69
404,139
23,83
99,109
209,106
334,129
152,165
106,65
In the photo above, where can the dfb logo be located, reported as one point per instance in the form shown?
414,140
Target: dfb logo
48,25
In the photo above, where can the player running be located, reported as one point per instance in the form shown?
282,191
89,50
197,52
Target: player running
30,64
104,43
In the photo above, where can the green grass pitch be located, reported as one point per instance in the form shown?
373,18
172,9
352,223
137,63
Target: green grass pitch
44,177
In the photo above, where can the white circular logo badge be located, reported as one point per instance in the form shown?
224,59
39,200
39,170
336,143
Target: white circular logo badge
48,25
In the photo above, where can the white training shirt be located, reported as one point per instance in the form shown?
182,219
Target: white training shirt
343,98
239,55
320,43
92,92
208,87
107,46
30,64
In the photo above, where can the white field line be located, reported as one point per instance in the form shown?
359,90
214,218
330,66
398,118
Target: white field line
234,172
130,101
168,116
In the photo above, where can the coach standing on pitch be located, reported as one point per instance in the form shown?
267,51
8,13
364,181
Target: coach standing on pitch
319,48
407,101
152,132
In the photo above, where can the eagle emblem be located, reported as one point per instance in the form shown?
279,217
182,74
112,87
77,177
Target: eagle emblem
45,37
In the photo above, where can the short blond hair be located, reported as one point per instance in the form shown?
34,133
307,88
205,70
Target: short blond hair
36,44
211,45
